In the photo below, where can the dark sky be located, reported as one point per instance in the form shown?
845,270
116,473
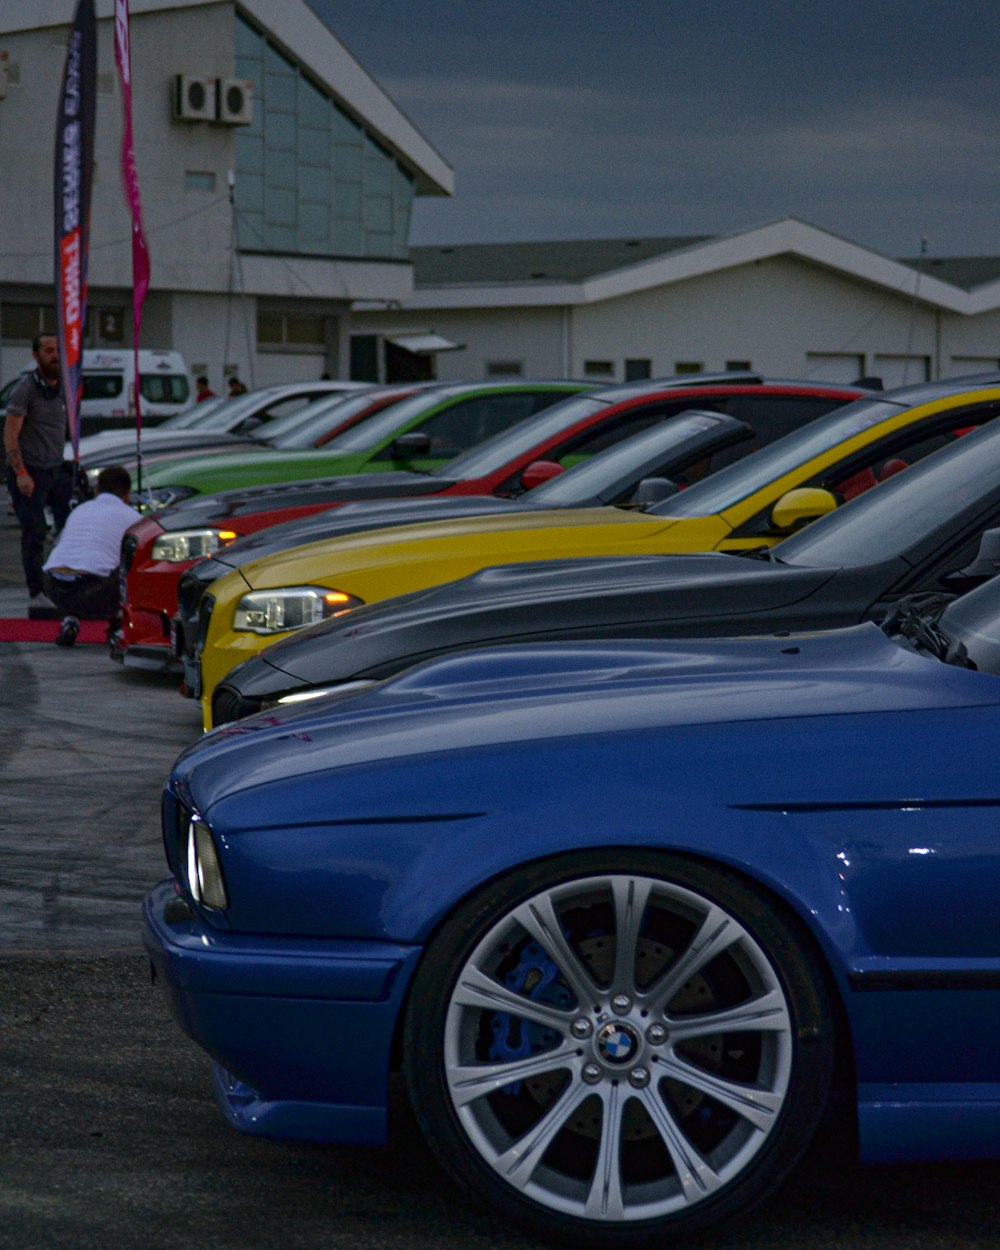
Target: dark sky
878,120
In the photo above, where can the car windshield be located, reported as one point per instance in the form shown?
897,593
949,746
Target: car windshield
508,445
730,485
588,478
368,434
974,619
193,416
304,428
229,413
898,513
301,423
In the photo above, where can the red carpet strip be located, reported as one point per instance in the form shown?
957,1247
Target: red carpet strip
17,629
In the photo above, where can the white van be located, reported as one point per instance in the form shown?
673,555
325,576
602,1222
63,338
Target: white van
109,387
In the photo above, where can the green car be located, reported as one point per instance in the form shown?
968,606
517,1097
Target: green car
417,434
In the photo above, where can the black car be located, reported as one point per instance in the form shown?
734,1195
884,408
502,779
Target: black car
640,470
919,531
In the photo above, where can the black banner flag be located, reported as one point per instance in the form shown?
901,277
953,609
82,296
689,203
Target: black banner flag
73,176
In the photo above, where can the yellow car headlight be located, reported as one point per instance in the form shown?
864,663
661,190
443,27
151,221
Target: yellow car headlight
289,607
183,545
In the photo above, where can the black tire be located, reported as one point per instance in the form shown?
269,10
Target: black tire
623,1137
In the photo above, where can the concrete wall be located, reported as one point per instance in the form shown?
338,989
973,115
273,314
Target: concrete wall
772,313
531,336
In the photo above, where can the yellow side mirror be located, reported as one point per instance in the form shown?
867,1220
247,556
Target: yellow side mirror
800,506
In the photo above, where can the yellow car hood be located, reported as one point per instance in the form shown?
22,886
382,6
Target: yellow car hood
375,564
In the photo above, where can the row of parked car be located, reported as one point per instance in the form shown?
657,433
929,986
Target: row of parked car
618,762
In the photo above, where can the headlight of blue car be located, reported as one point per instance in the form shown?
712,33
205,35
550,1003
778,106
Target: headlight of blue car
289,607
202,867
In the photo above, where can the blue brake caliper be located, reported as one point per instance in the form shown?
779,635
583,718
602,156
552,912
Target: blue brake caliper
537,977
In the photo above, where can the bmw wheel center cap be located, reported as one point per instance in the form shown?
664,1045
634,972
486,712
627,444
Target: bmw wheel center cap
617,1043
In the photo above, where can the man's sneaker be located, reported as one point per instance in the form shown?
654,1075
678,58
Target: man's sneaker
41,603
68,631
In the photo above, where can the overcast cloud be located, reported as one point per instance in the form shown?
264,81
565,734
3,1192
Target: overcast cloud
878,120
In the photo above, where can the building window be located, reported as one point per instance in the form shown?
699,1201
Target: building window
902,370
309,177
199,180
974,364
689,366
599,368
504,369
107,325
739,366
842,367
291,331
21,322
636,370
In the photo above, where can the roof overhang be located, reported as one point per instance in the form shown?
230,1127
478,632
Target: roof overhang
787,237
424,344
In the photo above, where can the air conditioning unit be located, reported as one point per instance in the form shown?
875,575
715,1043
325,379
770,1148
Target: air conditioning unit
235,102
194,98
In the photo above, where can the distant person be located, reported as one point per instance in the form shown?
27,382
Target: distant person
204,391
236,387
34,437
81,574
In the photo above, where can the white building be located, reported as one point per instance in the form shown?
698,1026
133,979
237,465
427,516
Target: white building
306,267
785,298
259,94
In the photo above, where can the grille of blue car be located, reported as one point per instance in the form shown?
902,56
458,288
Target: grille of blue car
176,817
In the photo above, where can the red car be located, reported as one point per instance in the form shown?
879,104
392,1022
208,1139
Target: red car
158,549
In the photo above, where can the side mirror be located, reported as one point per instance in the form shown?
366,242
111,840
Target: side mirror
248,424
540,471
653,490
412,446
985,565
798,507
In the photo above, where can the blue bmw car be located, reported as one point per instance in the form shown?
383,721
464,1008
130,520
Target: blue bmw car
630,917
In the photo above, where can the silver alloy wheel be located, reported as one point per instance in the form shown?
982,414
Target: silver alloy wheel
618,1048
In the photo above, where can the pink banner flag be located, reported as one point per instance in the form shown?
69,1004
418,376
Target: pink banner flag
130,178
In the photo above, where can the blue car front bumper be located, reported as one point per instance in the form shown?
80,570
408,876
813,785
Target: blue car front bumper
301,1029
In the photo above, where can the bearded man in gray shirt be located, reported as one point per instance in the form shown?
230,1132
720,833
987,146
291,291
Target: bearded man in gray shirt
34,438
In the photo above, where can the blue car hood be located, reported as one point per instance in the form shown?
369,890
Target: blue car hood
512,695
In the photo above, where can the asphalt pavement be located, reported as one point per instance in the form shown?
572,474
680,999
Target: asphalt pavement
82,759
109,1135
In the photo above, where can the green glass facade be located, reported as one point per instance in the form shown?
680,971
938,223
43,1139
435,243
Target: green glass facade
309,178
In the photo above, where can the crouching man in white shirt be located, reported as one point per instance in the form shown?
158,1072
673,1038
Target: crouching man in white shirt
81,573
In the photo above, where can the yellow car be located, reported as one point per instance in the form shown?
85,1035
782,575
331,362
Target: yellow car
755,502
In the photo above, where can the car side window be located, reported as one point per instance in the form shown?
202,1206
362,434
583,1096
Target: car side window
282,407
623,426
854,475
772,417
472,421
948,560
